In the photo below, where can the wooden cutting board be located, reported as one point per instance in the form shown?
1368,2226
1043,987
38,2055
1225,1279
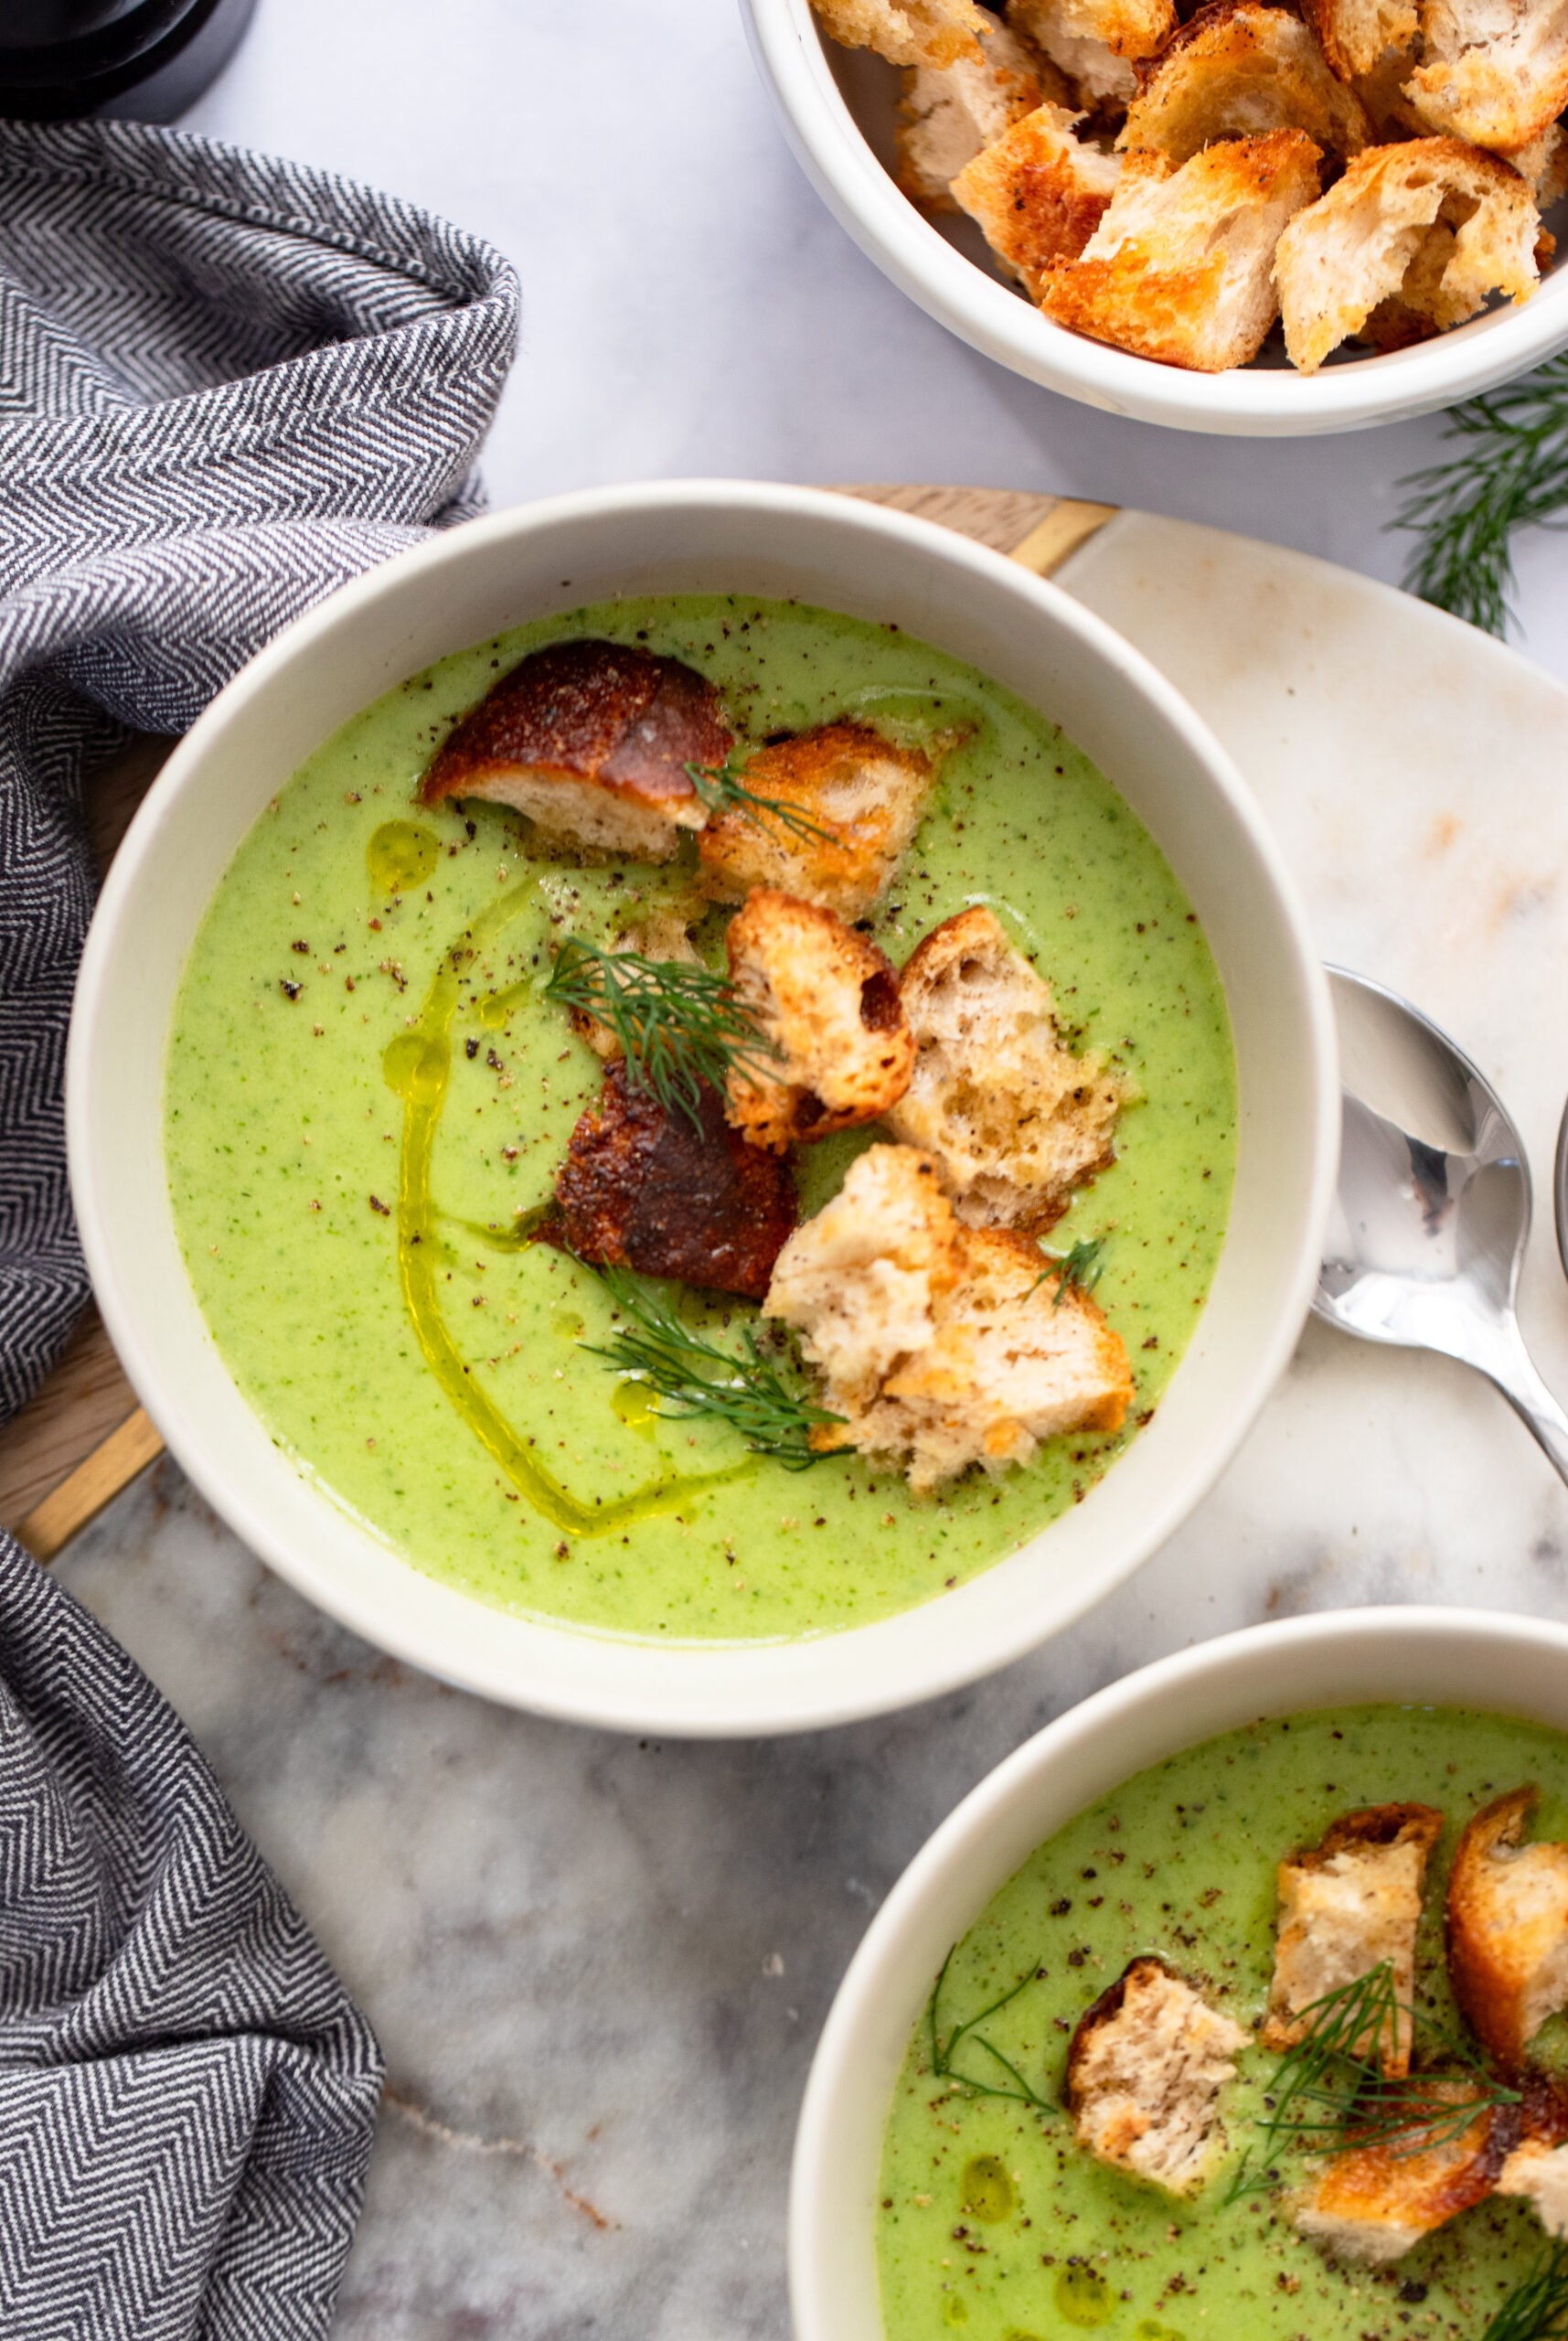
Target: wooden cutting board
84,1437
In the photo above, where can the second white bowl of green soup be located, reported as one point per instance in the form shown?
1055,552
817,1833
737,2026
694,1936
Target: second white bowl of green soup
1235,2003
702,1107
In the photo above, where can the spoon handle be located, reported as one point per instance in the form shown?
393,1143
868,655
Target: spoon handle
1513,1372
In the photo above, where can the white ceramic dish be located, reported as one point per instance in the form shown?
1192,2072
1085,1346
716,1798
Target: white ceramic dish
684,538
837,110
1515,1666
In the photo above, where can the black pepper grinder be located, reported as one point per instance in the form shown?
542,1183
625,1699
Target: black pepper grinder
147,60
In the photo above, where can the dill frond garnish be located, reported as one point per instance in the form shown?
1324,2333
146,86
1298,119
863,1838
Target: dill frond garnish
1537,2309
1512,472
721,790
679,1026
756,1393
1328,2094
944,2052
1079,1270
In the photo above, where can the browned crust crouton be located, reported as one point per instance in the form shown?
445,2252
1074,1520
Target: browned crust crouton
1495,74
908,32
1508,1928
1345,1904
1017,1121
591,740
861,1280
950,113
1239,70
1429,222
1182,266
641,1188
1542,164
1355,35
1039,193
1375,2203
863,792
1096,42
829,1001
1145,2071
1539,2172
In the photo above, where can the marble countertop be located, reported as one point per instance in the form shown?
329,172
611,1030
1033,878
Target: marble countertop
598,1965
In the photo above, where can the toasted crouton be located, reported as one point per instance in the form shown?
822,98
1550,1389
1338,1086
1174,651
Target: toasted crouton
1543,167
1508,1928
591,740
827,1001
1182,266
1374,2203
1434,224
861,1279
1355,35
908,32
1039,193
1144,2071
1096,42
1015,1119
1239,70
642,1188
662,935
1018,1356
1493,71
861,798
1540,2172
1345,1906
950,113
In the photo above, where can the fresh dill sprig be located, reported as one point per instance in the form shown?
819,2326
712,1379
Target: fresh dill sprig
1537,2309
1330,2094
944,2051
1079,1270
1512,472
753,1392
679,1026
723,790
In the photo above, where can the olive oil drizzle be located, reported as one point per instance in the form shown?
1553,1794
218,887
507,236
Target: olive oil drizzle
417,1066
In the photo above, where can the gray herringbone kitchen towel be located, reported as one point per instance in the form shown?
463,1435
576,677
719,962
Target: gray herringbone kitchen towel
226,385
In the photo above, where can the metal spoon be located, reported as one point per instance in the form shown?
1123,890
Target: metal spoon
1433,1207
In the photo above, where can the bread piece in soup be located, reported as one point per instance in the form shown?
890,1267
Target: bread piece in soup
1096,43
1145,2072
1016,1120
645,1188
1508,1928
1039,193
1428,223
1539,2173
950,113
1348,1905
1375,2202
1182,266
1239,70
860,798
1492,71
591,740
828,1003
907,32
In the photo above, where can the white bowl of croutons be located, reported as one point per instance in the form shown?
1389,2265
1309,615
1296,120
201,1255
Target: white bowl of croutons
1084,2059
1246,218
397,1383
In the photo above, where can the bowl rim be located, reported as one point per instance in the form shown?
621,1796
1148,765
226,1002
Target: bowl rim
1264,401
816,2204
753,1704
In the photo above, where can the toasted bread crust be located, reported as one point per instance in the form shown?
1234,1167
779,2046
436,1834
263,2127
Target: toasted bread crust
1239,69
906,32
1037,193
1145,2069
949,115
827,999
1498,77
864,792
1180,268
1096,42
1356,36
1345,1904
1375,2203
1508,1928
643,1189
591,740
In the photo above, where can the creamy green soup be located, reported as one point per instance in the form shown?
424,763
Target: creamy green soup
992,2222
366,1097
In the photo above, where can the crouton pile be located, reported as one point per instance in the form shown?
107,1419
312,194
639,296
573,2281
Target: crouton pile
941,1335
1176,182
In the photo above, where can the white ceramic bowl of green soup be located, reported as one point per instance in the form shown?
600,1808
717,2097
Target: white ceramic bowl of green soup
264,1119
938,2183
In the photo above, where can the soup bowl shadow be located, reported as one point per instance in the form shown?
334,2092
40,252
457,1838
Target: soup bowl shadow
1406,1657
701,536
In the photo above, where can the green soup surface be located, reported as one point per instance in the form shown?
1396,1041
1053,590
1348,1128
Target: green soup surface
358,1049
